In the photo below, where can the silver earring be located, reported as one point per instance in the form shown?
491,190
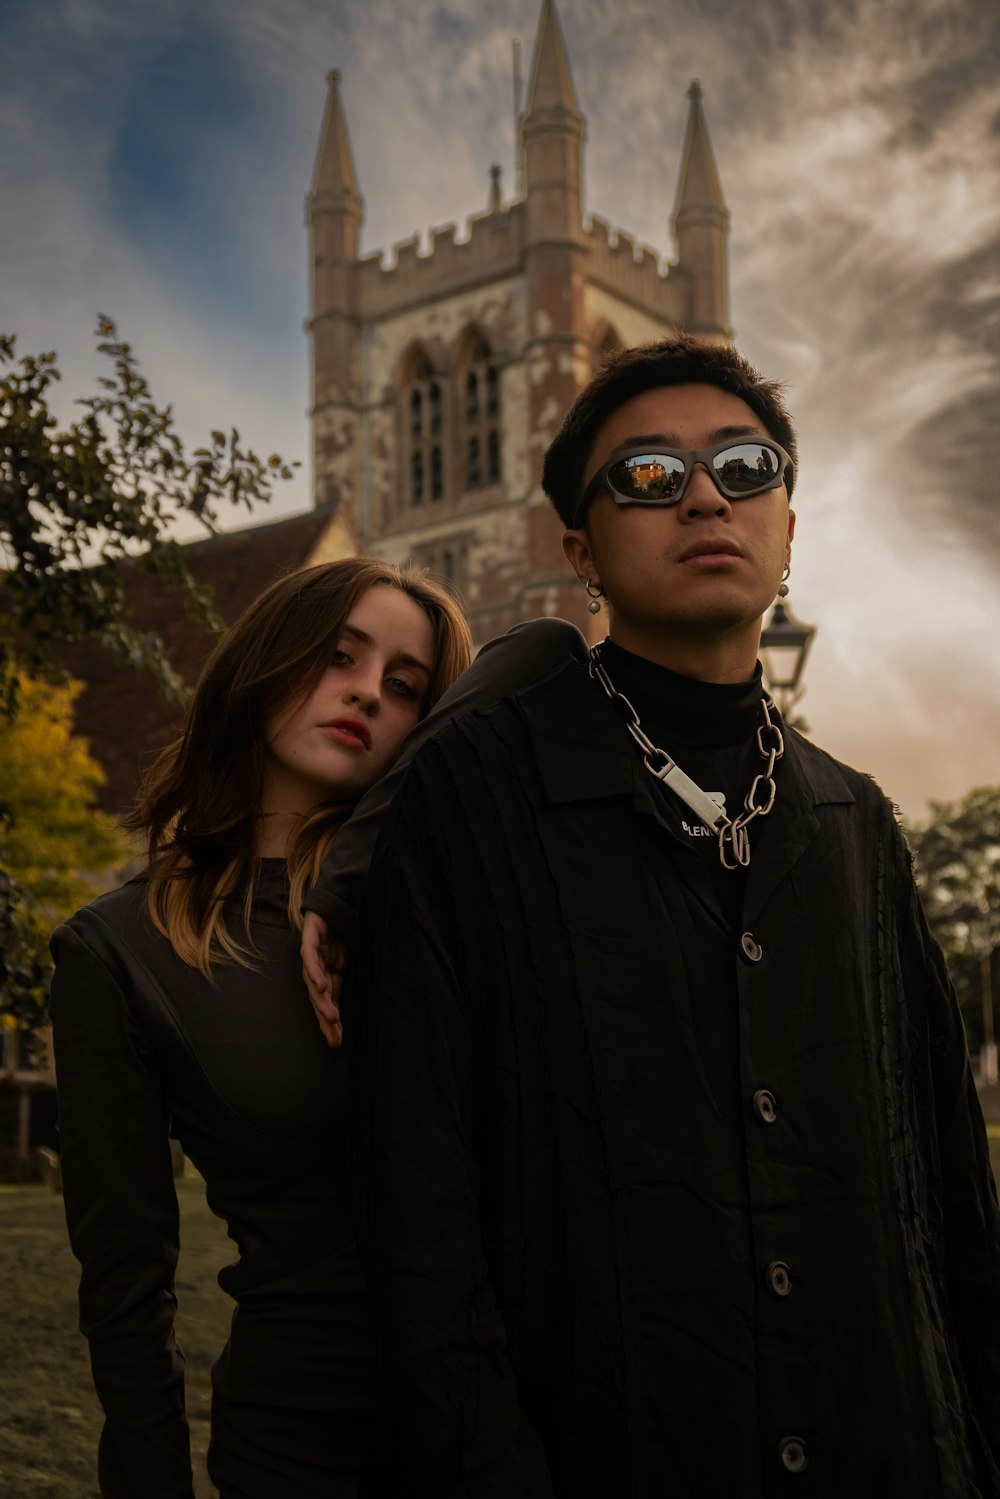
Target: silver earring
596,592
783,586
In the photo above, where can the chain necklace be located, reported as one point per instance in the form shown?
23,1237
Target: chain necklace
732,833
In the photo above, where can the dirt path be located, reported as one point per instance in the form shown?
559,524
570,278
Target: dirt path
49,1414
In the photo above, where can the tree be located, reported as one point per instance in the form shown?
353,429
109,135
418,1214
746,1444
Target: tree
55,841
957,864
54,844
81,506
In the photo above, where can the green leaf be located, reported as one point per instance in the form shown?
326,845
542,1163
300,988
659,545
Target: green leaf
110,482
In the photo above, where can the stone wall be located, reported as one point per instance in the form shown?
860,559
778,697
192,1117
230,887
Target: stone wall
490,250
634,273
607,312
482,531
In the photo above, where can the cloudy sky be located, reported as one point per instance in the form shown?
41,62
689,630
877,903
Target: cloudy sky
155,154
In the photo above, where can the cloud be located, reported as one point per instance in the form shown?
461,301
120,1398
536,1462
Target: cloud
156,158
87,232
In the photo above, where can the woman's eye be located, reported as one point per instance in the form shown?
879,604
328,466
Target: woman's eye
340,658
400,687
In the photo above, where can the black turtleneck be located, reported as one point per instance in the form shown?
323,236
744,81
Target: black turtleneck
709,728
701,716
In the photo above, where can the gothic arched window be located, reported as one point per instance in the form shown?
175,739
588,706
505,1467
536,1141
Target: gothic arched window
425,433
481,419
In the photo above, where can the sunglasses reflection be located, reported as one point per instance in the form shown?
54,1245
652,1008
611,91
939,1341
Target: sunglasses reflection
739,470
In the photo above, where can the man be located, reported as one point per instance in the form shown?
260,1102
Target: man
670,1167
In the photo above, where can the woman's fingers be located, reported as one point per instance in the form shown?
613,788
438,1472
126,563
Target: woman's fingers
315,934
324,959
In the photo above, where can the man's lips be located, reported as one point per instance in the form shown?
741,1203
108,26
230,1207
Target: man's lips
349,731
710,548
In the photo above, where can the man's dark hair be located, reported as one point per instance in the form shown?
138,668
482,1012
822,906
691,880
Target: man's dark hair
680,360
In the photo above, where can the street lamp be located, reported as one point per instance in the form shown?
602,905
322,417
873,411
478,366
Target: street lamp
784,646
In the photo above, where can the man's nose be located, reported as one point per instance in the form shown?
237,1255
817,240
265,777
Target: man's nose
702,496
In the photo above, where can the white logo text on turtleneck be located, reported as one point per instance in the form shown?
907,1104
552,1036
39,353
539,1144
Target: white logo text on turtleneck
698,829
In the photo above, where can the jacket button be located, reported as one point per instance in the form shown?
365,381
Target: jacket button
764,1106
751,948
792,1454
779,1281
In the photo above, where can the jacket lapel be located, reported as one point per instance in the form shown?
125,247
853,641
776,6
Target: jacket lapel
806,780
582,750
584,753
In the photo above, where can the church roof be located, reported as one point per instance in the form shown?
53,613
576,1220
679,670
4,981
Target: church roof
551,80
120,710
698,186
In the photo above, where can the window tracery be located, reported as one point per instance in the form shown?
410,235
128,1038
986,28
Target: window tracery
425,434
481,419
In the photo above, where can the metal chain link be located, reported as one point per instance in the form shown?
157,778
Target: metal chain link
732,833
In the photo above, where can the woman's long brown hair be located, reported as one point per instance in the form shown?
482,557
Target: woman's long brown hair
200,803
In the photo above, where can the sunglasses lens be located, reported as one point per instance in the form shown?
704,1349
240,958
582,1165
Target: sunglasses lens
746,468
654,477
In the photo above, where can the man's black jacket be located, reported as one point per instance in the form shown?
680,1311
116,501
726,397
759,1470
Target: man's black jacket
655,1207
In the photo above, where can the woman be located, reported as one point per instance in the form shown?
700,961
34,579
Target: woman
178,1009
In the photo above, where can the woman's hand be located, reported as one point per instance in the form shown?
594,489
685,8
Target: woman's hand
324,959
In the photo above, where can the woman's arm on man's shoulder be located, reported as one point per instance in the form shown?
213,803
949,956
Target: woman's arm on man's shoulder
524,655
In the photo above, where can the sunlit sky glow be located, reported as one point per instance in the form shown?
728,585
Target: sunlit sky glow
155,158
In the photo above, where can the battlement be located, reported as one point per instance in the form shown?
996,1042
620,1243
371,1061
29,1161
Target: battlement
636,272
489,249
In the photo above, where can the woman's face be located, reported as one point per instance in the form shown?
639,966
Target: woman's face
346,733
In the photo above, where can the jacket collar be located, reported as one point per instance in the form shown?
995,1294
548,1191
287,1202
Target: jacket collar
584,753
582,748
807,780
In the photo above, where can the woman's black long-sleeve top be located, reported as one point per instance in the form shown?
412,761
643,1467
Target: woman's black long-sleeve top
237,1071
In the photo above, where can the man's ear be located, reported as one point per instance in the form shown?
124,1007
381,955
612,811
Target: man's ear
791,526
576,545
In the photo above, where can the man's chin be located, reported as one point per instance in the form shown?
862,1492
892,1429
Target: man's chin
703,620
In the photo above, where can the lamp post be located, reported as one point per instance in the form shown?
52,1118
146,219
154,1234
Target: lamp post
784,646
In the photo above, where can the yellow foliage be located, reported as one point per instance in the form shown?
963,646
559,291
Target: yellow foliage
56,843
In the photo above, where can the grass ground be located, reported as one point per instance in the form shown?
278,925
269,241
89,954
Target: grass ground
49,1414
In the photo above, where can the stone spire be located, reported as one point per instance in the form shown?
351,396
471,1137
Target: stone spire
557,351
334,177
551,84
701,227
552,131
698,187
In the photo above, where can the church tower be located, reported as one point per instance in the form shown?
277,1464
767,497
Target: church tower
554,256
440,377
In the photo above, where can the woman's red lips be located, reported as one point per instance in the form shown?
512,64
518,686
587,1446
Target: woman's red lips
349,731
